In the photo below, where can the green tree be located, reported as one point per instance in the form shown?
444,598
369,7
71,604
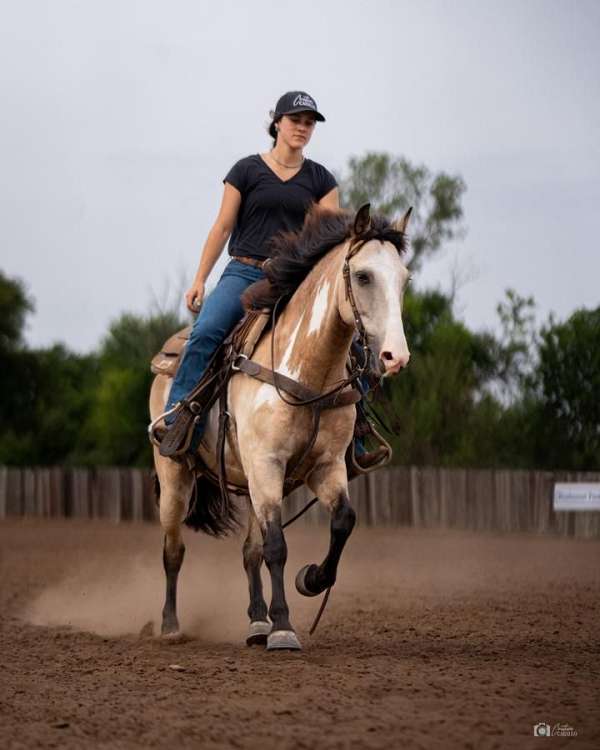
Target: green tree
440,409
115,431
517,344
50,398
568,382
392,184
132,340
15,305
17,366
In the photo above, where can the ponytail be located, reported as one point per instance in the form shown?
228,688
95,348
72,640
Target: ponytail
272,130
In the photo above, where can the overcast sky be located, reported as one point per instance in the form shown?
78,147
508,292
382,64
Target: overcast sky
120,119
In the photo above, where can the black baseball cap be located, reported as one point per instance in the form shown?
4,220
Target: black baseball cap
296,101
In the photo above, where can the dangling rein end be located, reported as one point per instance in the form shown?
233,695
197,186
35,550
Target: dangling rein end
320,612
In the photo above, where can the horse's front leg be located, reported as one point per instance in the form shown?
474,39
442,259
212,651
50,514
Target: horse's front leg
330,484
266,488
260,627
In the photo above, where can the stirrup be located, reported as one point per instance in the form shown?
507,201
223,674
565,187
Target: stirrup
152,425
354,468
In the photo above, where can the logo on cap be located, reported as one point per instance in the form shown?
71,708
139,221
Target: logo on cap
303,100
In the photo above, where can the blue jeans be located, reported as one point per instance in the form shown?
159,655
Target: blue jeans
221,310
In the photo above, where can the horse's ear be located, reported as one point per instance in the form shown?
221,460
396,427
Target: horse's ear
362,220
402,224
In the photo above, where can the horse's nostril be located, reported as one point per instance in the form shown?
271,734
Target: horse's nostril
386,355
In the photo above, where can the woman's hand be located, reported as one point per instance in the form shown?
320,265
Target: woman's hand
194,296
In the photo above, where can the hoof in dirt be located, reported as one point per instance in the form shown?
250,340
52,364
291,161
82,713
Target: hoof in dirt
257,635
301,582
173,636
283,640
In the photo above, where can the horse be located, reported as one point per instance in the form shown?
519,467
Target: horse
340,271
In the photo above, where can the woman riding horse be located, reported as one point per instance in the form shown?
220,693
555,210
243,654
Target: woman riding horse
336,276
264,194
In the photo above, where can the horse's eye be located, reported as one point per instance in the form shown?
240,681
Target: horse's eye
363,278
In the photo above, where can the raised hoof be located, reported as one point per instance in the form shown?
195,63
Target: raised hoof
282,640
301,581
257,635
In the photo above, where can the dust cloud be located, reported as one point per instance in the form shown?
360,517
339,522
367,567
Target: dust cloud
121,596
112,591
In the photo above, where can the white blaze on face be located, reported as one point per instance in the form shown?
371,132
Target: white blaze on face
319,307
386,320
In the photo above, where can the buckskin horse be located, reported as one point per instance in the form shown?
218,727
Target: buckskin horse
337,275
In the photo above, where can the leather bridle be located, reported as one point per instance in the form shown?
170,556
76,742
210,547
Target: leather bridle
357,369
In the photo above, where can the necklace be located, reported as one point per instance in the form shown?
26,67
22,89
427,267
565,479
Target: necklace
287,166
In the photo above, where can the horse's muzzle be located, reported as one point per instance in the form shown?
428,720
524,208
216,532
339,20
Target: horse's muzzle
391,365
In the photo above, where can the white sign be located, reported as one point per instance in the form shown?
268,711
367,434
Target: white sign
577,496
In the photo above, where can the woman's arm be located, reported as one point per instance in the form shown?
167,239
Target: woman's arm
215,242
331,200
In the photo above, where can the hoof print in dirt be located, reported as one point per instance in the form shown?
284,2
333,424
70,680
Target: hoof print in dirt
147,631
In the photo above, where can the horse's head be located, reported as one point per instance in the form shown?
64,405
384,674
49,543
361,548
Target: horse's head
378,279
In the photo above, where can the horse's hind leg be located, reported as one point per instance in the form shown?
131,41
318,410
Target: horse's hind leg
266,491
260,627
175,490
173,552
331,486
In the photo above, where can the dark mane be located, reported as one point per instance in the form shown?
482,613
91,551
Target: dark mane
293,254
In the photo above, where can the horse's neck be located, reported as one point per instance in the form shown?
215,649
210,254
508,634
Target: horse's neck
311,340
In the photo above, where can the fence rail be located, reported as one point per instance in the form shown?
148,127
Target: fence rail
476,499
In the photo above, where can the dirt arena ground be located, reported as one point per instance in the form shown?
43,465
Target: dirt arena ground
431,640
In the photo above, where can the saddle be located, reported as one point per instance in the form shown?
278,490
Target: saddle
244,337
235,355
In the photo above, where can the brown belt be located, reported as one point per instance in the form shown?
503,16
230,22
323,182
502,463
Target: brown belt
249,261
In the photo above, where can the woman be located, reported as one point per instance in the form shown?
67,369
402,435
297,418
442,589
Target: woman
263,195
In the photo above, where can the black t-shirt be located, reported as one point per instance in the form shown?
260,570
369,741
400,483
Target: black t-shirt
270,205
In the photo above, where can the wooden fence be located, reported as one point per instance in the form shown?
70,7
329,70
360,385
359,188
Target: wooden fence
476,499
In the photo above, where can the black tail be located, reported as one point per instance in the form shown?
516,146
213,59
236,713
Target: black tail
209,512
